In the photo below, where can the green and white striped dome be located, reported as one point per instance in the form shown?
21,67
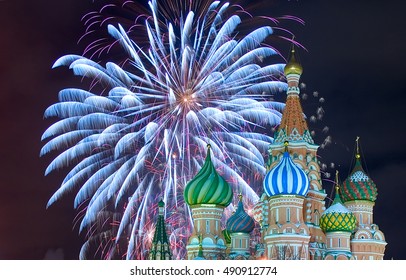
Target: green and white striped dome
208,187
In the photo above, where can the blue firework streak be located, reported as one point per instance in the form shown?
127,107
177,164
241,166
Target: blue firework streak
144,137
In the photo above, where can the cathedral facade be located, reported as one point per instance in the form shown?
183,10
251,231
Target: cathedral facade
291,214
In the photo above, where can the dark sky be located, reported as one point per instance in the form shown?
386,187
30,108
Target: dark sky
355,59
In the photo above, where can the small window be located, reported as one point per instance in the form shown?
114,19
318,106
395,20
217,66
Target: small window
277,216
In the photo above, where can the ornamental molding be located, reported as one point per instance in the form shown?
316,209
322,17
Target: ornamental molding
282,200
316,195
294,90
368,241
294,136
360,206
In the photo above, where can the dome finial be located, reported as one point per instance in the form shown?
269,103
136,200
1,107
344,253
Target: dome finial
357,155
337,198
293,66
286,144
337,187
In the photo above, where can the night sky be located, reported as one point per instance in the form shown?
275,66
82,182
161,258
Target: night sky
355,59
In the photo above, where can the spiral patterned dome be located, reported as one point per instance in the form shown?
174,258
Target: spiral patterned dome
208,187
240,221
358,186
286,178
337,217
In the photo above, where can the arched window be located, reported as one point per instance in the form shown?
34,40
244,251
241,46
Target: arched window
316,217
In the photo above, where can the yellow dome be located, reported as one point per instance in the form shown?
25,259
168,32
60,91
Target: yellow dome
293,67
337,217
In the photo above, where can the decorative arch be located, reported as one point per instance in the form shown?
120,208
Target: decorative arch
379,236
363,234
207,241
194,241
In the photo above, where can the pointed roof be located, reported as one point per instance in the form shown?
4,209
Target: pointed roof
160,248
293,126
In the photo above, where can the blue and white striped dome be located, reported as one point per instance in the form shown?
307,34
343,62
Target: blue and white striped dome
286,178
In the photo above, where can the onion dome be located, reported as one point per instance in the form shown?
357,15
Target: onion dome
240,221
337,217
358,186
293,66
286,178
208,187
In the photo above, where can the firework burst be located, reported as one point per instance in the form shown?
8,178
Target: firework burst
143,136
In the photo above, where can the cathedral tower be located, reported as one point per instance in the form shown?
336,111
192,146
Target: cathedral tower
240,224
207,194
293,128
160,249
359,193
338,223
287,235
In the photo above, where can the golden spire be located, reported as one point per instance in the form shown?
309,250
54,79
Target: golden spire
337,198
337,187
357,155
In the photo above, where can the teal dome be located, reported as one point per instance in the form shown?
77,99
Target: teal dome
240,221
208,187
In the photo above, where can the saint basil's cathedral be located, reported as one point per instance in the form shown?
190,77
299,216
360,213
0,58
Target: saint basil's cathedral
294,222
